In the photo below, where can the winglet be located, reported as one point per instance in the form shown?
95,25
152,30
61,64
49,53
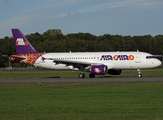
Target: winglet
22,45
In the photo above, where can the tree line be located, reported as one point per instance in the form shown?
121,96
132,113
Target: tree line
53,40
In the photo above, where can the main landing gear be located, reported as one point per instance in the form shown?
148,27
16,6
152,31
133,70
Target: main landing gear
81,75
139,73
91,75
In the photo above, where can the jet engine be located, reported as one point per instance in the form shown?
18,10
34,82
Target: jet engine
114,72
99,69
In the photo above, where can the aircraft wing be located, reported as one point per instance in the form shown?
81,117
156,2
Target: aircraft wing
76,64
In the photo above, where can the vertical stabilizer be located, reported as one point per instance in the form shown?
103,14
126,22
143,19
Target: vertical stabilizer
22,45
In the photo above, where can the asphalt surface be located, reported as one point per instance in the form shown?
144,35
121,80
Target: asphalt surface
82,80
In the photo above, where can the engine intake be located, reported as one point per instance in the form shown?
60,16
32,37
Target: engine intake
99,69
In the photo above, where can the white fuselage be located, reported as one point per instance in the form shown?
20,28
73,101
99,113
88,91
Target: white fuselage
113,60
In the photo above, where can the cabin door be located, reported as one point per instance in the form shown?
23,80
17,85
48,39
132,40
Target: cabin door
138,58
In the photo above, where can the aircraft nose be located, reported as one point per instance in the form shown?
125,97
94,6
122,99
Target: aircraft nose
158,63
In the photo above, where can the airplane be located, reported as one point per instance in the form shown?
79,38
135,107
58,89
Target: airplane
97,63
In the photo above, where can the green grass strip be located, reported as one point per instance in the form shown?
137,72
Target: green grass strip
51,73
82,101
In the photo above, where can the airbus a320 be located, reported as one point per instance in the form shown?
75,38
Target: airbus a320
97,63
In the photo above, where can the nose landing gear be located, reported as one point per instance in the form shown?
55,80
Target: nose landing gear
139,73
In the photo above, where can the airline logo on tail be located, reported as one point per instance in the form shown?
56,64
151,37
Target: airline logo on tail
21,42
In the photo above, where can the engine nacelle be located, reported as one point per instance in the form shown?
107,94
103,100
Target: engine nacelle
99,69
114,72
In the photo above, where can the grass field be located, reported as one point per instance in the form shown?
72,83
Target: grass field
80,101
52,73
86,101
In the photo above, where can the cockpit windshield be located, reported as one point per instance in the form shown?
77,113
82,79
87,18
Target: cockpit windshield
149,57
154,56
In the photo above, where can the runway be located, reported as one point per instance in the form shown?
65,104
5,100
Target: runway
82,80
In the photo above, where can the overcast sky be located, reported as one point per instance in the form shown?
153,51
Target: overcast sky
98,17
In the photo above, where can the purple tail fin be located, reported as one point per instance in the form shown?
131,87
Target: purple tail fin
22,45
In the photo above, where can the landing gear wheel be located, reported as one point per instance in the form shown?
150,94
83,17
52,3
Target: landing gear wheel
81,75
91,75
140,75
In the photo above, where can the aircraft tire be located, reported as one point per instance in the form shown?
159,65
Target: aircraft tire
140,75
91,75
81,75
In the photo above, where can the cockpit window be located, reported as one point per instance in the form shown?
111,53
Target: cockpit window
149,57
154,56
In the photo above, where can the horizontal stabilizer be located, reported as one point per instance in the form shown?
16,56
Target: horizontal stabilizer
17,58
